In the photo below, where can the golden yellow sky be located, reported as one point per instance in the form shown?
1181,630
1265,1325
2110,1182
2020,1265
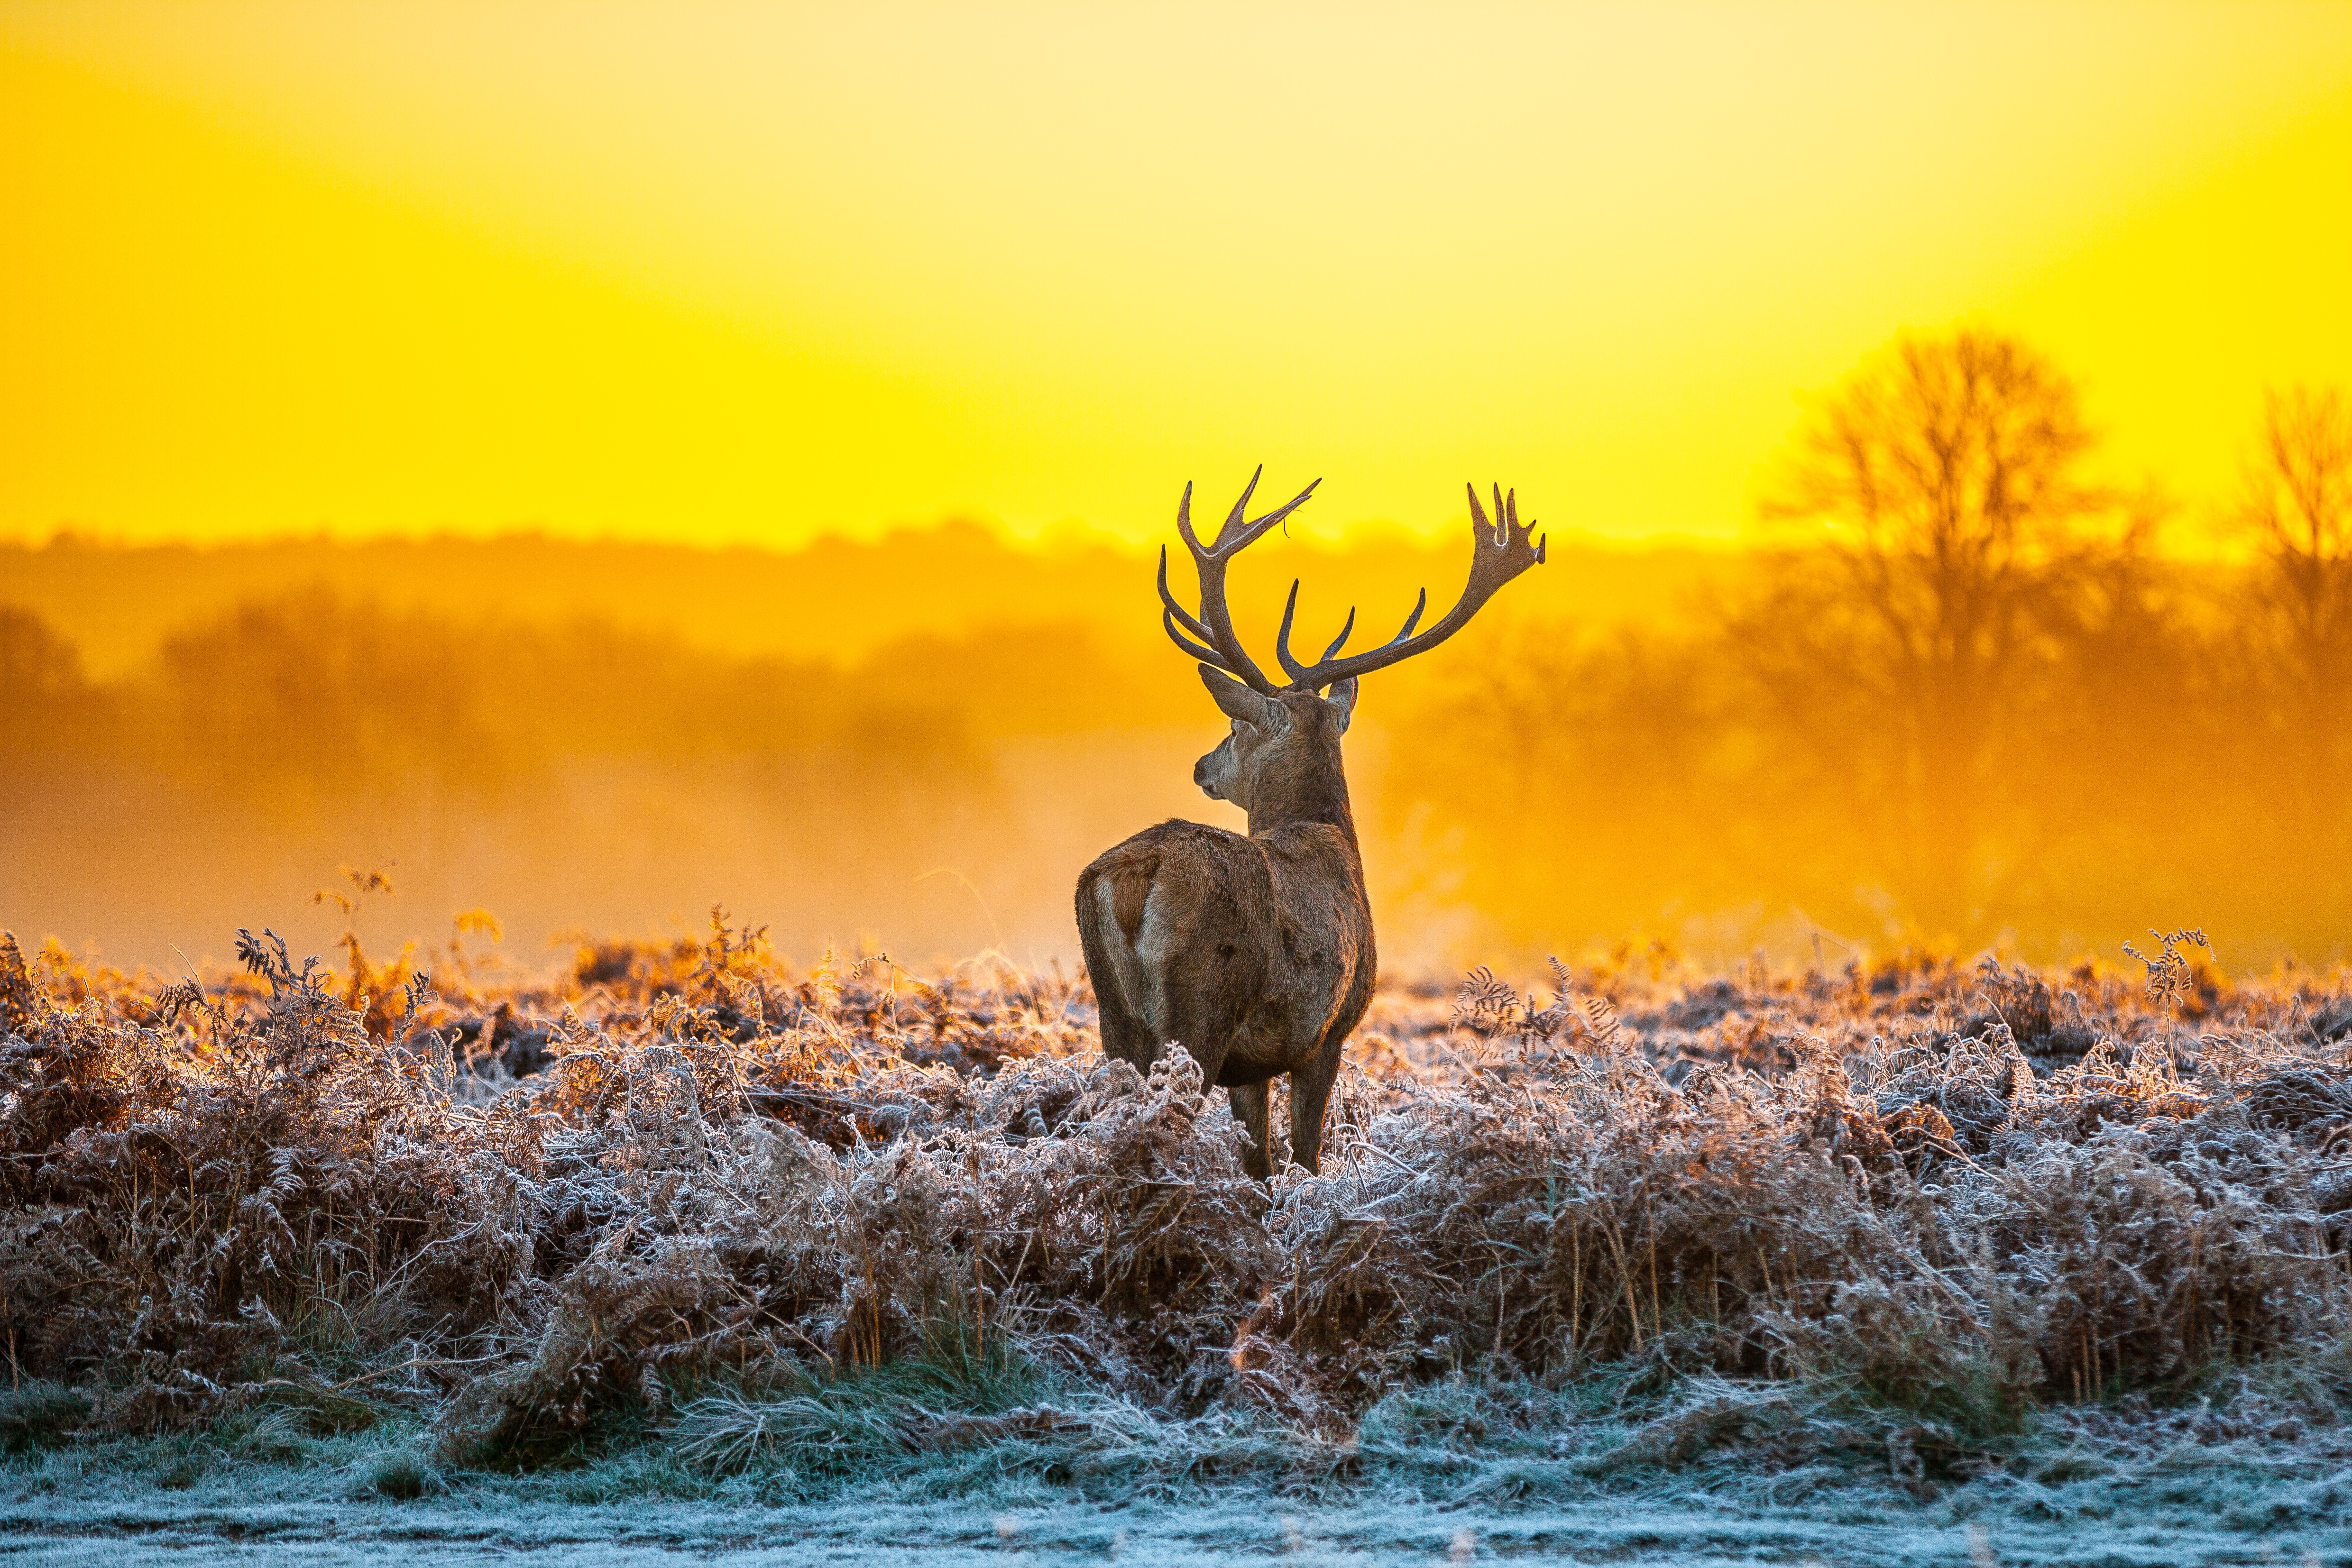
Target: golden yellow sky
754,273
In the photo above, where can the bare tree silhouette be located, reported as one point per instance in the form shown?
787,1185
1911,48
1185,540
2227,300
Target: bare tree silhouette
2297,504
1944,478
41,685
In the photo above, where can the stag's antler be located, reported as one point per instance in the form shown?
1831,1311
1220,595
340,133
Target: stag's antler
1500,551
1214,625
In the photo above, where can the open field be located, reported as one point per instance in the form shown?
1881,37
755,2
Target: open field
1832,519
703,1246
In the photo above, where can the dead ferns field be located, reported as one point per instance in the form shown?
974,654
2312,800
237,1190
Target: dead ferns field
851,1221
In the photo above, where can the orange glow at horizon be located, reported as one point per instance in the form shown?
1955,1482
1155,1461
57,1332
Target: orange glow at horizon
757,273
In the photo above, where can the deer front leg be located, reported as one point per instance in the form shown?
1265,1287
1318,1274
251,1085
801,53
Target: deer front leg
1249,1103
1310,1091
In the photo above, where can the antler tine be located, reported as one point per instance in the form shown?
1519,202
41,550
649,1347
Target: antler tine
1341,639
1282,637
1215,623
1275,516
1419,603
1500,551
1234,533
1175,611
1282,634
1229,658
1184,521
1241,504
1206,655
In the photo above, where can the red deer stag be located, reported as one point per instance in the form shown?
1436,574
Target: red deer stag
1255,953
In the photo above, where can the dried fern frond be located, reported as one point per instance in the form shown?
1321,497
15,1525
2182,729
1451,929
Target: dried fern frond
1485,1004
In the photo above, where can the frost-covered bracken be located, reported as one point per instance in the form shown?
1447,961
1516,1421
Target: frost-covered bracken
688,1185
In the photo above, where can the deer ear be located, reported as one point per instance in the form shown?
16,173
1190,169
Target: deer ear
1236,700
1342,698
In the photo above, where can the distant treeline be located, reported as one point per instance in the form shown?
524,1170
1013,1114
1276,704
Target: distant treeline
312,691
565,774
833,600
1968,699
1956,692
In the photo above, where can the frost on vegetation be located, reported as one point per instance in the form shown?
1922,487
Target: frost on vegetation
794,1230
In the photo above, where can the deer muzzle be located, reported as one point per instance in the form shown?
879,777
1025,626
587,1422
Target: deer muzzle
1201,777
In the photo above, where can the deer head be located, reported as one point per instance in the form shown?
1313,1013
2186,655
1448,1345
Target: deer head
1281,760
1276,741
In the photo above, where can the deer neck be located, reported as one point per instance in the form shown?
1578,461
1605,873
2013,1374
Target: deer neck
1315,790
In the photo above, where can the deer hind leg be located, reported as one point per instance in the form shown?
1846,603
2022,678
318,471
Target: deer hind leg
1250,1109
1112,966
